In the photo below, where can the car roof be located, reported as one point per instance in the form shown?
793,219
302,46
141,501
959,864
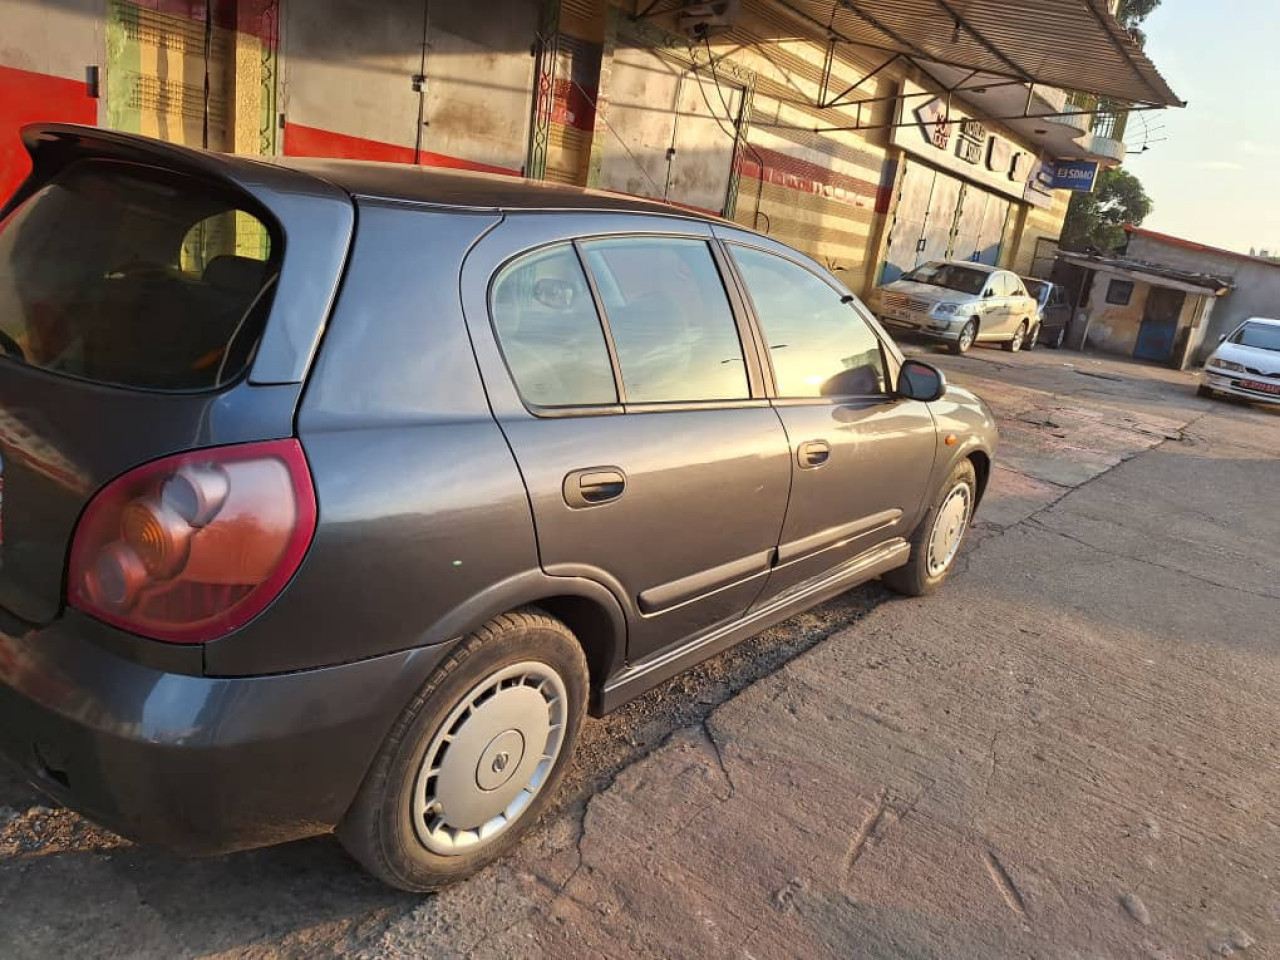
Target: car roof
471,190
1266,321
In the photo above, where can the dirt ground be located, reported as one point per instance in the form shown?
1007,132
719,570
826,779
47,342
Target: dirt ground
1068,752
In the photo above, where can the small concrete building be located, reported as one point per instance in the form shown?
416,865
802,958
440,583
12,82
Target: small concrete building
1255,281
1147,311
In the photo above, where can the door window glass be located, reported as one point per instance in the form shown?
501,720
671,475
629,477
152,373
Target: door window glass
819,346
550,332
670,319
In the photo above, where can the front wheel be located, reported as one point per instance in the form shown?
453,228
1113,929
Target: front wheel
1019,337
1059,338
936,541
1203,391
475,759
968,333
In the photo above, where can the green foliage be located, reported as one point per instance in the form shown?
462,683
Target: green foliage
1096,220
1131,13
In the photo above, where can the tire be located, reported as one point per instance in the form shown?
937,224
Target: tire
1033,338
1059,338
1014,344
398,827
968,334
920,577
1203,391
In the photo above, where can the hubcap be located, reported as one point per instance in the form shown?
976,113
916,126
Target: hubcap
1019,335
967,335
948,529
490,758
1062,335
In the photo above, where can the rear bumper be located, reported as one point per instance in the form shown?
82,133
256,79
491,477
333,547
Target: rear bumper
1232,385
201,765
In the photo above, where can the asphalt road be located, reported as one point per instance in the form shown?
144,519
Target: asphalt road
1069,752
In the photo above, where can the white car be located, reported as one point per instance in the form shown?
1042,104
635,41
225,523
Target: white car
1247,363
959,302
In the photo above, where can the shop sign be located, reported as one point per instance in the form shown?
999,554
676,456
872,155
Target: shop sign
959,143
1076,175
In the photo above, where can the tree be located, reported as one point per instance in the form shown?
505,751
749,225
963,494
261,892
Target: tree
1131,13
1095,221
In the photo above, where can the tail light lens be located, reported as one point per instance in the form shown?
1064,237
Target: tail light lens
191,547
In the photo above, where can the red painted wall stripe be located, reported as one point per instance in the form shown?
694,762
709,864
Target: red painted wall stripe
797,174
27,97
303,141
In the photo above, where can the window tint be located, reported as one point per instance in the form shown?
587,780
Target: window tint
670,319
819,346
1014,286
134,278
549,331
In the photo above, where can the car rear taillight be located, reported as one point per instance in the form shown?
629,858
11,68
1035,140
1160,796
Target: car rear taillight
191,547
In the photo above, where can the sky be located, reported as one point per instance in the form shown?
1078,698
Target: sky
1216,179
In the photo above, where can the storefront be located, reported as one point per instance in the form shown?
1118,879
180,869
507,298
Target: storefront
962,185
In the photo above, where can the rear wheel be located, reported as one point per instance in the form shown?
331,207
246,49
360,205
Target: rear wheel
968,333
1014,344
1059,338
1033,338
475,759
936,541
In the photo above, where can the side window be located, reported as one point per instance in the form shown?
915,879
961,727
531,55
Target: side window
1016,288
549,331
819,346
670,319
1057,298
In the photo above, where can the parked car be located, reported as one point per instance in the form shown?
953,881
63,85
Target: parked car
311,525
1246,363
959,302
1053,313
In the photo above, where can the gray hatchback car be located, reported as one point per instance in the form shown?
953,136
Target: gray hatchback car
335,495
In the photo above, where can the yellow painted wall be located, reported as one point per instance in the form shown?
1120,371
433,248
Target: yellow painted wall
1113,328
1040,222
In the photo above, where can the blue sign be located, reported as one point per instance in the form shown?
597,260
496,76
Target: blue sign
1075,175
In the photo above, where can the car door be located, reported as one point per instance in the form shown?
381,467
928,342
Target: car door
1022,306
653,462
860,456
998,323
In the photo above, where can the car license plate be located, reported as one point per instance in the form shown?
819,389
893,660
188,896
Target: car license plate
1261,387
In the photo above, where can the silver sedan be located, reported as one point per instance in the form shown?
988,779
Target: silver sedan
959,302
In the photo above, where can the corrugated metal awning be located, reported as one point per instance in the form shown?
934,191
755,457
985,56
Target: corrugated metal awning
1069,44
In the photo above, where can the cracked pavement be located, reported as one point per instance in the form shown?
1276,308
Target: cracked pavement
1070,751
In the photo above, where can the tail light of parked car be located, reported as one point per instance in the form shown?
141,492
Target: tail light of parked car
189,548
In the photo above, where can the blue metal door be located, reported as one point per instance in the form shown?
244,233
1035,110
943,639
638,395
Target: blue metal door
1159,324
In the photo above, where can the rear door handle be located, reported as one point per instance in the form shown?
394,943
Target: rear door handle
593,486
813,453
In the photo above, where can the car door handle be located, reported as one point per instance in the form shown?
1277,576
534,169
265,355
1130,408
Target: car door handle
593,486
813,453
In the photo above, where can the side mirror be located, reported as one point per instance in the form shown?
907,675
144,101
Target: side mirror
1223,338
988,292
921,381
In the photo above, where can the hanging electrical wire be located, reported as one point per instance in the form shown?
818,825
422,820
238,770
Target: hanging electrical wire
604,118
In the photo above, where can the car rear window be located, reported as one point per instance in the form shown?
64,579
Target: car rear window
135,277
